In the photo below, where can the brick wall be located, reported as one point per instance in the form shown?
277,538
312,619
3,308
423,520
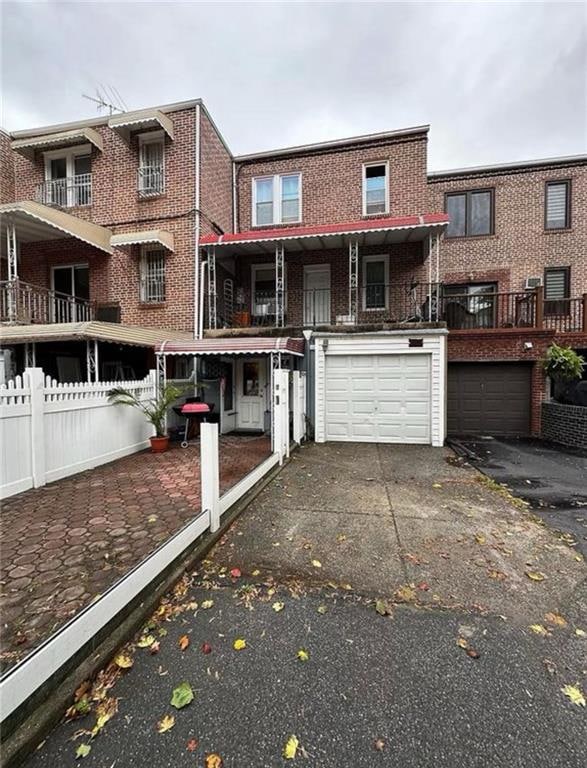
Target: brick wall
216,178
332,179
566,424
6,169
520,246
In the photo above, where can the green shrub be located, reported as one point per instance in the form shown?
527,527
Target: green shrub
563,364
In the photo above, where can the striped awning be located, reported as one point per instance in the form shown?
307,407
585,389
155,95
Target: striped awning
28,146
160,236
141,119
248,345
115,333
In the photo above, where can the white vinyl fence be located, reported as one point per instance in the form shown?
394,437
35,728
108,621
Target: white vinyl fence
50,430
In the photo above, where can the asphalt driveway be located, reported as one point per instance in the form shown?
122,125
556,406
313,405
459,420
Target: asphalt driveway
411,584
552,478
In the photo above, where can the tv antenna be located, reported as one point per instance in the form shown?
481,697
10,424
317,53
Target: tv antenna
107,97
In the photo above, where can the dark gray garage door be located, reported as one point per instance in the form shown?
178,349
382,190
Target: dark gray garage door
489,398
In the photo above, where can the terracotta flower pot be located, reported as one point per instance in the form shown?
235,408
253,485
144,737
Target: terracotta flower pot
159,444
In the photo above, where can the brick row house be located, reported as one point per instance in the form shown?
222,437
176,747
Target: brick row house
425,301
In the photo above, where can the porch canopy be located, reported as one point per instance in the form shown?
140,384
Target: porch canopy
71,138
93,330
158,236
252,345
142,119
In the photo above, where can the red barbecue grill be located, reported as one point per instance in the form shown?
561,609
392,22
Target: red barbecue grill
192,412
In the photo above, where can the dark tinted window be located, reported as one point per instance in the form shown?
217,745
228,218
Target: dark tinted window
456,207
470,213
557,205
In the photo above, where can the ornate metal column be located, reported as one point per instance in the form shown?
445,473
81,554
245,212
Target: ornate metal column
92,362
212,295
353,280
11,250
30,355
279,287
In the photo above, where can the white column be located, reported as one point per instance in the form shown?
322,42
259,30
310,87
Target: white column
34,378
297,408
284,404
209,471
353,280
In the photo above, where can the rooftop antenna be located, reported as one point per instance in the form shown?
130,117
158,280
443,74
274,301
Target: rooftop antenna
113,102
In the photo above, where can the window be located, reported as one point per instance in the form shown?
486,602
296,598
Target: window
263,292
470,213
151,180
251,386
277,200
557,209
375,189
557,284
152,275
71,284
470,305
375,280
68,177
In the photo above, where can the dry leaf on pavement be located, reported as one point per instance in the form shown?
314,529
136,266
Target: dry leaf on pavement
239,644
574,693
539,629
379,745
303,655
278,607
166,723
535,575
184,641
291,747
556,619
123,660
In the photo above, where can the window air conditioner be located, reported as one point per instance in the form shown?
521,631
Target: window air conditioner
532,282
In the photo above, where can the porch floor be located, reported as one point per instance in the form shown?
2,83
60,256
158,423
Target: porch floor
67,542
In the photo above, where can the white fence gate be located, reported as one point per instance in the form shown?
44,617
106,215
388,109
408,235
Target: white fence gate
50,430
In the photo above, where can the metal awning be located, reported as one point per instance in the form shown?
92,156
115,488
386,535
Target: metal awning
114,333
160,236
142,118
251,345
28,146
35,222
377,232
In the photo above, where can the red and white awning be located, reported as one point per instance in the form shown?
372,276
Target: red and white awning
376,232
242,345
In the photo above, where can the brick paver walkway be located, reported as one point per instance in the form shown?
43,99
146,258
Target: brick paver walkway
63,544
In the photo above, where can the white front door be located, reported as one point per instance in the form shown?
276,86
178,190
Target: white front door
250,386
317,294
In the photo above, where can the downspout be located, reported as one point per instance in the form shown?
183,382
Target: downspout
203,266
197,221
234,199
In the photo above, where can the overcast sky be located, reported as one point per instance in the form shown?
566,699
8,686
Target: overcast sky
496,81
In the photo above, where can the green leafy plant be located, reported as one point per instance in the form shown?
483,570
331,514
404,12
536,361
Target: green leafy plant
154,409
563,364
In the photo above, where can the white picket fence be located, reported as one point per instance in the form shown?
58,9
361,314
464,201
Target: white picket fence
50,430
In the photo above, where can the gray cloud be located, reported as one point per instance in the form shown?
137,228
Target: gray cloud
497,82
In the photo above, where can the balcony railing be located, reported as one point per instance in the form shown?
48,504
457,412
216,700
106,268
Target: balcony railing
403,303
22,303
68,192
151,180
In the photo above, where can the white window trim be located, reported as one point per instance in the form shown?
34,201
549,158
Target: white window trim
69,154
370,164
153,137
277,217
145,251
384,257
67,266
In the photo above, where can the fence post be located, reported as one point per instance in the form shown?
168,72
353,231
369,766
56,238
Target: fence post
539,314
297,408
277,420
209,471
285,409
35,380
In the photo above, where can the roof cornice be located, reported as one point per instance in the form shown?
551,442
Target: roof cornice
503,168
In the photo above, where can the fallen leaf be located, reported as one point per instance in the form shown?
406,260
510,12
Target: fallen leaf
82,751
105,710
383,608
574,693
539,629
152,519
207,604
291,747
472,653
405,594
256,572
213,760
535,575
239,644
495,574
462,643
322,610
278,607
146,641
316,563
182,695
235,573
479,538
192,745
580,633
379,745
166,723
155,647
184,641
206,648
437,485
123,660
556,619
303,655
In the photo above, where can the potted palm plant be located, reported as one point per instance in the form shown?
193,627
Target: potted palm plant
154,409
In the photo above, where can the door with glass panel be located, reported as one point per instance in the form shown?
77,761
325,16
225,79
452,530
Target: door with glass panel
71,285
317,294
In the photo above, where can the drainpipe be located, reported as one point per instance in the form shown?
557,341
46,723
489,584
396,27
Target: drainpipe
197,220
234,200
203,266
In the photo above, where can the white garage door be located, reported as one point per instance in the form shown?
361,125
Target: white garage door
378,398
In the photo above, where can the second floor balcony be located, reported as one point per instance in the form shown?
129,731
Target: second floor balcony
66,192
25,304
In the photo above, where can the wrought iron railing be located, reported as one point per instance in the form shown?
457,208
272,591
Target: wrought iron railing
151,180
22,303
68,192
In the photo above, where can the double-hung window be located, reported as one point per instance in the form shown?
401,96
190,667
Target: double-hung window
151,181
375,282
557,285
557,205
277,199
152,275
375,188
470,213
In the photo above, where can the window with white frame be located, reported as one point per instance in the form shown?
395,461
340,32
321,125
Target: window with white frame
151,181
375,282
277,199
68,177
375,188
152,275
